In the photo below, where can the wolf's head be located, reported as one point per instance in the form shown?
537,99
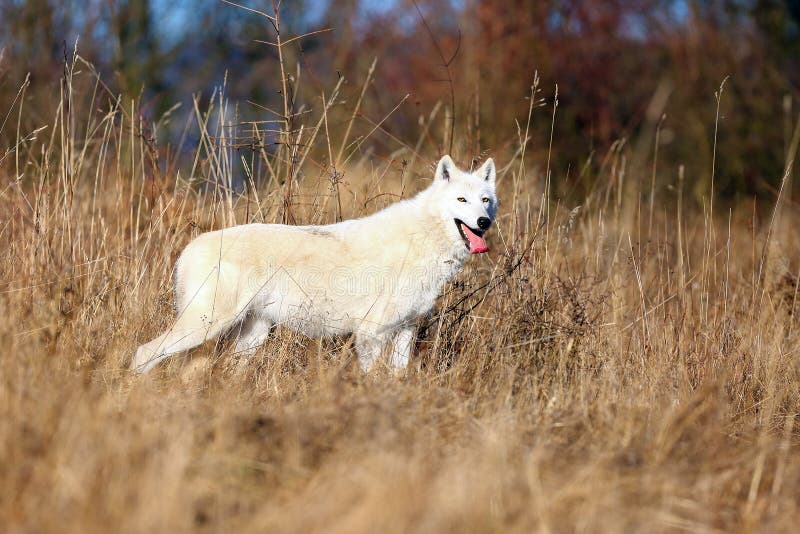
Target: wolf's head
467,201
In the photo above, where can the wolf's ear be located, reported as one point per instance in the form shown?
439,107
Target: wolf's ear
487,171
445,169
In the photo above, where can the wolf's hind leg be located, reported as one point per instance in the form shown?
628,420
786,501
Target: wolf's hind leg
252,334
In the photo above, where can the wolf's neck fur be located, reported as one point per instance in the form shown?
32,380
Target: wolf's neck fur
414,230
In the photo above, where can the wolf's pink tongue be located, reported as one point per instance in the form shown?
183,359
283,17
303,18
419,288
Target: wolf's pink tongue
476,243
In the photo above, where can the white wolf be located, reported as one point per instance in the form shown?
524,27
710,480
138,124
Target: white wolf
372,277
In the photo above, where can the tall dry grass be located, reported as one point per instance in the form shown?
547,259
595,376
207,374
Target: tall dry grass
622,366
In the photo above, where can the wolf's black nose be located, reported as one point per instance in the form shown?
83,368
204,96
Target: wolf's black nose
484,222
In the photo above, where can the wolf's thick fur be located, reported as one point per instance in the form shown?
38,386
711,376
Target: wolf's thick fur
373,277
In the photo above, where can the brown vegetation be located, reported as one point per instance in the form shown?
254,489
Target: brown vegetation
629,364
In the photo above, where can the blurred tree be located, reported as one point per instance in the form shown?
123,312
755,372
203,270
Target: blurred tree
137,60
608,59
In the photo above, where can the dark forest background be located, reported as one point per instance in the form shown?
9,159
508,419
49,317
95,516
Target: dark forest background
626,71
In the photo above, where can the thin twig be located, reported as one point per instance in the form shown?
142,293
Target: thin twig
446,64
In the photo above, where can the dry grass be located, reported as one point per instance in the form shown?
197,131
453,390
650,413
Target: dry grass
593,373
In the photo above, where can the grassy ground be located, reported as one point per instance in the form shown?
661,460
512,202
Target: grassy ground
631,365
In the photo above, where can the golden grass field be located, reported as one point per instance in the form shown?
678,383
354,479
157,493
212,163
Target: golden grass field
628,366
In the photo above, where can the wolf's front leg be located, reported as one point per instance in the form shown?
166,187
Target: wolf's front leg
369,347
403,343
252,334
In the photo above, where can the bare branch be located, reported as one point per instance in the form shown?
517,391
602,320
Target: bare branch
446,64
294,38
249,9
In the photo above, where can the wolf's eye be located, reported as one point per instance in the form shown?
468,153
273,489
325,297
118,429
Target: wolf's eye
485,200
461,199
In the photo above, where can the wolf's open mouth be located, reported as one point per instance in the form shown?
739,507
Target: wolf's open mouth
473,239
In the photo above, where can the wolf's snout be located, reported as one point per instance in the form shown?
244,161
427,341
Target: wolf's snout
484,222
